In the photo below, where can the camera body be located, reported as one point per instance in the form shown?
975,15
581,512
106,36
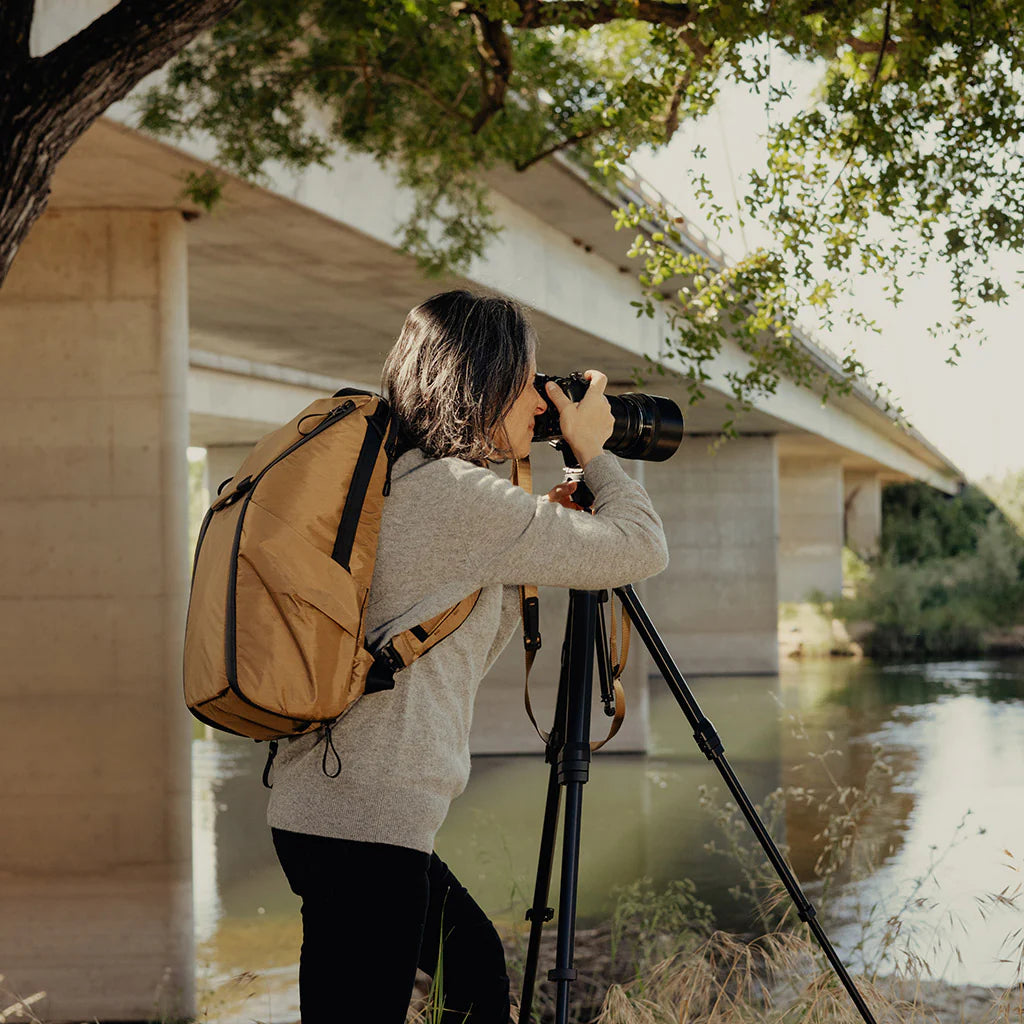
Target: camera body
647,427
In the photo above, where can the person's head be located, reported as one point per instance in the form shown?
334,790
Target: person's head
460,377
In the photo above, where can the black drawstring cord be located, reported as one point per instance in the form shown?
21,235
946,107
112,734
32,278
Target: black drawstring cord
329,746
271,754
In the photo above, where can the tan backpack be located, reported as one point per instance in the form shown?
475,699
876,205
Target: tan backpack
275,635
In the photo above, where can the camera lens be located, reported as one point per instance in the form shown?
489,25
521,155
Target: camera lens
647,427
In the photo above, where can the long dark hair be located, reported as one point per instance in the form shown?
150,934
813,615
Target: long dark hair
456,370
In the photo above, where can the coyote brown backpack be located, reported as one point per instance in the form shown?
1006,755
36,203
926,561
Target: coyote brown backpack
275,635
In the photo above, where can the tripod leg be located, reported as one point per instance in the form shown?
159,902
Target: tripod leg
540,912
573,772
711,746
569,755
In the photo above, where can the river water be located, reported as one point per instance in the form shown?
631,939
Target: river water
926,761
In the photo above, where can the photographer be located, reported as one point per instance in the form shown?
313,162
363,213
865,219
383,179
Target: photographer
357,845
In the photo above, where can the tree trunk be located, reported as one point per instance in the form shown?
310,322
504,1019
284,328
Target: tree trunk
47,102
31,145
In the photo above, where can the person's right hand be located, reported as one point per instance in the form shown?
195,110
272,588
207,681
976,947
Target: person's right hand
586,424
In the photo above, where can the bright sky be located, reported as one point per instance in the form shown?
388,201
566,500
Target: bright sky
974,413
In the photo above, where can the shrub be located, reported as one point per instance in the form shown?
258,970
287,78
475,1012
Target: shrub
941,607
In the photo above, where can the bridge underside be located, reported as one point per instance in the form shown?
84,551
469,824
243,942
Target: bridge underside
273,298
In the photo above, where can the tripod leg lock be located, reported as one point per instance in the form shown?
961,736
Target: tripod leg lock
805,911
574,763
710,743
549,914
563,974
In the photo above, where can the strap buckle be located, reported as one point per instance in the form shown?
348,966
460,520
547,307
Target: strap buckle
389,658
531,623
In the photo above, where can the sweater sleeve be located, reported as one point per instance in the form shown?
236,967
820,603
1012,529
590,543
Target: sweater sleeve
491,532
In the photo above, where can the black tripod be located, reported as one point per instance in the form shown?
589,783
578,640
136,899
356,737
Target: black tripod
568,753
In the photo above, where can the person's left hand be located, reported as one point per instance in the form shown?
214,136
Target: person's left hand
561,494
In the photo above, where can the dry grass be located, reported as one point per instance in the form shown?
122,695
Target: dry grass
661,962
21,1007
777,979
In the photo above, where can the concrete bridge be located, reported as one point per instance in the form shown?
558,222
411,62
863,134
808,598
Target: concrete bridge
130,328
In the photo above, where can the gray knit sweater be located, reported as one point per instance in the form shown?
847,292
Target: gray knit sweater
449,528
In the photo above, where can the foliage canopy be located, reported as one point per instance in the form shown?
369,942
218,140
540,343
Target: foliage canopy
910,152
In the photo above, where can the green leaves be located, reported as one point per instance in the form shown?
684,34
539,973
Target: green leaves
911,154
205,189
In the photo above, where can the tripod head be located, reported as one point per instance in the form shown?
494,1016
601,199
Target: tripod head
573,473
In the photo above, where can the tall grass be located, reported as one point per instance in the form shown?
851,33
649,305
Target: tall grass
662,960
21,1007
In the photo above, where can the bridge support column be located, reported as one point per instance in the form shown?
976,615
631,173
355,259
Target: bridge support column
715,605
862,505
95,863
810,527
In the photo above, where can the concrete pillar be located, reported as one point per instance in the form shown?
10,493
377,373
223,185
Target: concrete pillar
810,528
500,725
862,504
715,606
222,462
95,868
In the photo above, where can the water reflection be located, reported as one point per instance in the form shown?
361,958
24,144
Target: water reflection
247,920
943,829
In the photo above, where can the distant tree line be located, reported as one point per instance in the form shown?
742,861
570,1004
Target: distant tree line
949,578
921,524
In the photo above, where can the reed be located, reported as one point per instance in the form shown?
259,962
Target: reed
662,961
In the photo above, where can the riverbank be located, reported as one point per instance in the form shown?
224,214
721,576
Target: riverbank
601,968
806,631
913,1001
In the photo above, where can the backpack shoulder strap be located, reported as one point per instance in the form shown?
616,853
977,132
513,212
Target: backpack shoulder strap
404,648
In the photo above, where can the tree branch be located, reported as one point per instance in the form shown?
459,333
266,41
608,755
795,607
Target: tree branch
672,114
47,102
855,43
871,95
700,53
101,64
15,26
881,50
522,165
587,13
367,72
496,56
860,46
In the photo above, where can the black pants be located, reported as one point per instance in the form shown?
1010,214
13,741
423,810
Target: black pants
372,914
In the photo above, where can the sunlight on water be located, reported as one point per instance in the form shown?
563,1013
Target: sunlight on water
944,838
963,842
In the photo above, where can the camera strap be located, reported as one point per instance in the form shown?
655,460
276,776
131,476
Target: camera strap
529,609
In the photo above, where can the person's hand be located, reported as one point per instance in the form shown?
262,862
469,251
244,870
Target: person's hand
561,494
586,424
